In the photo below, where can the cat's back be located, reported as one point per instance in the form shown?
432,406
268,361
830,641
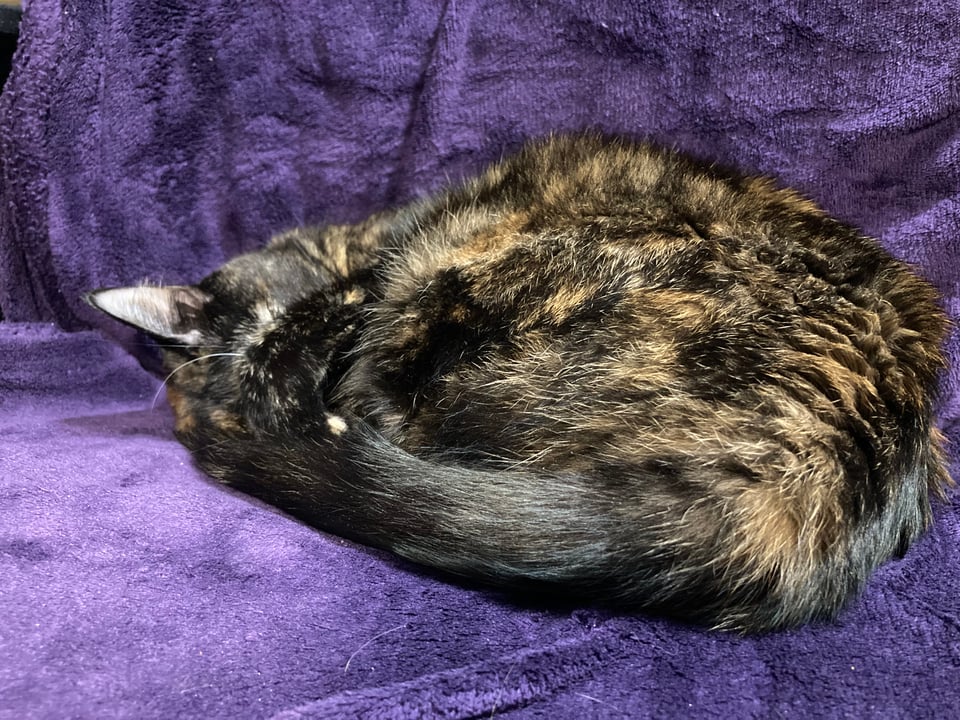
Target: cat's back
587,282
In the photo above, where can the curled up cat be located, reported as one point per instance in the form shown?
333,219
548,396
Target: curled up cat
598,367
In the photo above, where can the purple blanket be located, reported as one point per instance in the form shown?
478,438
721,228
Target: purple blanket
144,139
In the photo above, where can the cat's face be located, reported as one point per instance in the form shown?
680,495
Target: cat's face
230,368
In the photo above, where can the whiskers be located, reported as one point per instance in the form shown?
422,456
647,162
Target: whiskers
167,345
179,367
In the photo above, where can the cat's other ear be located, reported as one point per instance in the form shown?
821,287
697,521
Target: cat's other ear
174,312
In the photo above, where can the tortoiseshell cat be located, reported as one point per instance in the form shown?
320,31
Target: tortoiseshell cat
598,367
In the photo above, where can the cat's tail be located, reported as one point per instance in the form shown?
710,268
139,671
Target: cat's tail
496,525
599,539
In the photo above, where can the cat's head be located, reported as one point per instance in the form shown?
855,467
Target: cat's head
226,341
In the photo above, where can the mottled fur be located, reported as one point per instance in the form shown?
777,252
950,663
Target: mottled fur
598,366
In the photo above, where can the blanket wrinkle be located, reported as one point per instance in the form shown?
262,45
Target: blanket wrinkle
152,141
497,684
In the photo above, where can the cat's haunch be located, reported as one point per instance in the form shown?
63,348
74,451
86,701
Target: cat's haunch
598,366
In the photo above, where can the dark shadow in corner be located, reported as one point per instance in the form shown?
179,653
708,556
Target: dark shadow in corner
9,31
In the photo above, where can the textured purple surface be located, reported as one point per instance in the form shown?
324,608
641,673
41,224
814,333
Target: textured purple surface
153,140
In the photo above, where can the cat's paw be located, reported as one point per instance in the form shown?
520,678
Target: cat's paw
290,365
336,424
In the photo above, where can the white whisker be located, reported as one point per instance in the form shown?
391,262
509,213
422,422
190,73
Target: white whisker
165,345
183,365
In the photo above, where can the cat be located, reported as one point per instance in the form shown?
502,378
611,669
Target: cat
598,368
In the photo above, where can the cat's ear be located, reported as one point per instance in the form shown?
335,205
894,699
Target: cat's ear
174,312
